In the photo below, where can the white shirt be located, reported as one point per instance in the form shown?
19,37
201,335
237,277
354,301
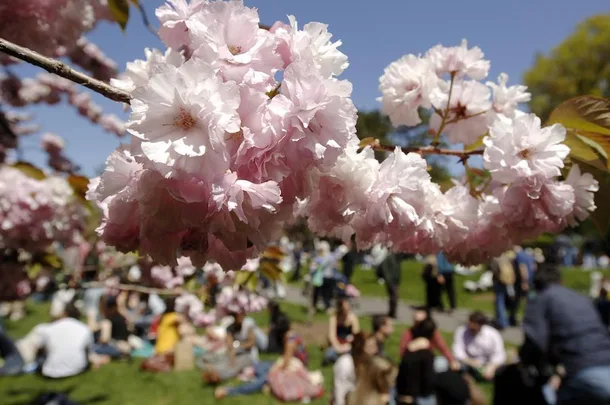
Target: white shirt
344,378
29,345
486,346
66,342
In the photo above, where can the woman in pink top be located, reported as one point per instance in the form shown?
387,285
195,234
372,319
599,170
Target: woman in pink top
436,343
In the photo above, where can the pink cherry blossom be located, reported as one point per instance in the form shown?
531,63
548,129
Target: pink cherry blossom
36,213
173,17
584,185
459,60
519,147
313,43
405,87
466,120
227,36
506,99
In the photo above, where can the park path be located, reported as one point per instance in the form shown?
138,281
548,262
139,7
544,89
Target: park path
374,305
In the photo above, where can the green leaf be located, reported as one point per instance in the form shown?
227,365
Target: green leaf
589,118
30,170
583,151
476,145
247,279
370,141
79,184
120,12
583,113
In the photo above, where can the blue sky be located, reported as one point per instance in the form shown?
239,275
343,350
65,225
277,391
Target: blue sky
373,34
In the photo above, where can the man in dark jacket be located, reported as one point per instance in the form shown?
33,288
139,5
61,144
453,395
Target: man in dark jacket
390,269
563,327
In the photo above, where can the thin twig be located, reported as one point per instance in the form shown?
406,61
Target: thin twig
127,287
61,69
445,113
145,20
430,150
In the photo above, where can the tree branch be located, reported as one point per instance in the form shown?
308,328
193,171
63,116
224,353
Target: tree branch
63,70
430,150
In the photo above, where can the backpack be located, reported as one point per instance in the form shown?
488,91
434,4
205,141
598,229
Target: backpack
506,272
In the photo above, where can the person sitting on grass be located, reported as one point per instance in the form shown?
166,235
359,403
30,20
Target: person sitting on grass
383,328
114,332
343,324
292,346
168,331
421,314
374,383
479,347
415,380
67,345
364,345
241,351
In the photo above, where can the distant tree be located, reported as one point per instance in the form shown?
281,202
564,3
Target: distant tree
579,65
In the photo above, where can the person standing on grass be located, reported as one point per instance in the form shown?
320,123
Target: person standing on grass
524,266
323,268
563,327
390,270
445,279
504,287
350,260
433,288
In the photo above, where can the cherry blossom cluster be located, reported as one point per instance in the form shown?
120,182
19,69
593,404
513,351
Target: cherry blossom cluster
91,58
36,213
193,308
49,89
395,203
239,300
227,127
50,27
54,146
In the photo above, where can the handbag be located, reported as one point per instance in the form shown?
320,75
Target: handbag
318,277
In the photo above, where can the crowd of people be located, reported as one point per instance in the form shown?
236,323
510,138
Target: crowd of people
565,357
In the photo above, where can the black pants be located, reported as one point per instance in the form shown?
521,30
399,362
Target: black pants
325,291
449,287
433,293
392,299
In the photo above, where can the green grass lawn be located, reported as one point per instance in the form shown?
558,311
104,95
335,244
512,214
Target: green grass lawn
122,382
412,287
